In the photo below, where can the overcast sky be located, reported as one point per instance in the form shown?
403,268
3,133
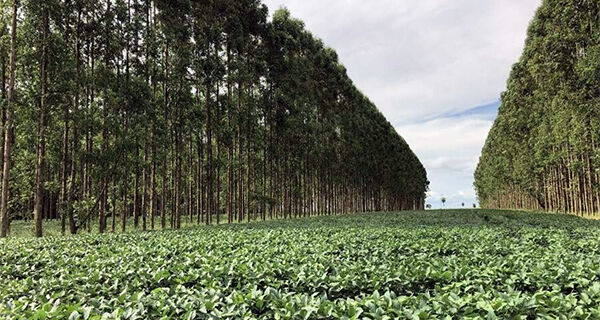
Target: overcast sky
435,68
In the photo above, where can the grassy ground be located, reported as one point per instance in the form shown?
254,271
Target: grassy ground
467,264
463,217
20,229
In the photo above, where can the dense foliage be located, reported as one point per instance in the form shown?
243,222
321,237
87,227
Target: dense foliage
414,265
542,152
158,111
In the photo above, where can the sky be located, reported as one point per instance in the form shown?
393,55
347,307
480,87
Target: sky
435,69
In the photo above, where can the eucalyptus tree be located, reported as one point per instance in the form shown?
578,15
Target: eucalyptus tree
541,153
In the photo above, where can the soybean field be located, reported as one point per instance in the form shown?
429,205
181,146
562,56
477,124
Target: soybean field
469,264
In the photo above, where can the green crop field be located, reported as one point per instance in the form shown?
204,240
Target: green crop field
415,265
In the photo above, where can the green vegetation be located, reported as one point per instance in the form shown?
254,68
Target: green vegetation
416,265
542,152
149,111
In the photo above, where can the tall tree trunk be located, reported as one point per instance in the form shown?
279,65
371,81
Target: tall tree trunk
190,180
231,144
209,160
8,131
125,187
152,207
240,181
178,163
113,201
163,216
136,193
41,151
218,169
143,205
3,111
200,185
106,107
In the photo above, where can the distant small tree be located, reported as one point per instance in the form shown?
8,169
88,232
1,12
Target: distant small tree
428,206
463,204
444,202
474,206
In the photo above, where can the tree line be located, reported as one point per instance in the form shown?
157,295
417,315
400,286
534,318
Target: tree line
150,112
542,152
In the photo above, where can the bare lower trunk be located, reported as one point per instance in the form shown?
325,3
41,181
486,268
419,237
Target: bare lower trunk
8,131
41,151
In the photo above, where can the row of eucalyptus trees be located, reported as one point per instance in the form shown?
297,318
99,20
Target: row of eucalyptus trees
543,152
154,113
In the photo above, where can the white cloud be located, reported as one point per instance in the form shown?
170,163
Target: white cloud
467,193
418,58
